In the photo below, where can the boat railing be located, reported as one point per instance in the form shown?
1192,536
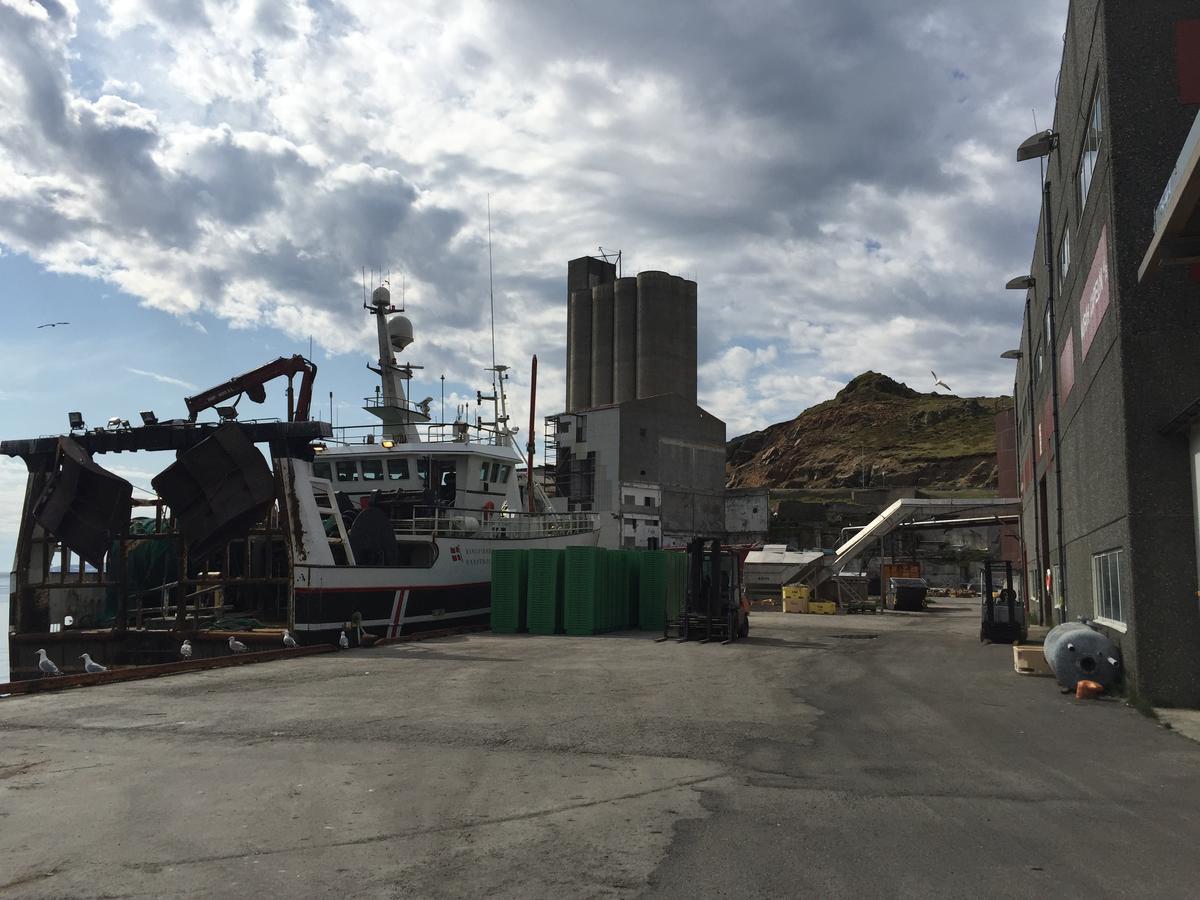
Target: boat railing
436,433
496,525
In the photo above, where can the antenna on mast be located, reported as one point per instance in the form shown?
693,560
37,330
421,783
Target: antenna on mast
491,290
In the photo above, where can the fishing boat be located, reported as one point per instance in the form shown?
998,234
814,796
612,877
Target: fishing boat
379,529
404,514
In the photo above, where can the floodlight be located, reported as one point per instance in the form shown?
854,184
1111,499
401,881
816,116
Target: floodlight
76,420
1038,145
148,417
227,413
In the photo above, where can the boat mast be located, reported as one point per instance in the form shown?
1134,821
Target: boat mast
400,420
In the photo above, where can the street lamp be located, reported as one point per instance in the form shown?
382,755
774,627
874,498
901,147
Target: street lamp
1020,283
1039,146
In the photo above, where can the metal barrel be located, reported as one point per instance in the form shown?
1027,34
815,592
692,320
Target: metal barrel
1077,652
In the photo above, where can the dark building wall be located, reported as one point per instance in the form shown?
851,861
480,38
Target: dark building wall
583,274
1125,485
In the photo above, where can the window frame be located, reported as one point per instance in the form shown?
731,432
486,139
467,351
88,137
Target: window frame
1106,574
337,471
1089,154
401,465
376,476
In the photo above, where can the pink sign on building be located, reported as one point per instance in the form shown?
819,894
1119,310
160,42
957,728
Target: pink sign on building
1066,368
1094,300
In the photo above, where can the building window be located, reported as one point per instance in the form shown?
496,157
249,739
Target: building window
563,426
1064,258
649,501
1106,586
630,542
628,500
580,429
1091,151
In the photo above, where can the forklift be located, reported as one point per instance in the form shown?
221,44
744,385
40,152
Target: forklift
1002,617
714,608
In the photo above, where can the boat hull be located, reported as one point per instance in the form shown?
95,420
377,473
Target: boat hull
392,601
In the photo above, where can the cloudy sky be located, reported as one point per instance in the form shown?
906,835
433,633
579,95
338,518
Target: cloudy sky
195,187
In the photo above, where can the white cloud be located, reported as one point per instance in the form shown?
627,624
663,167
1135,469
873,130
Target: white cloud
838,179
165,379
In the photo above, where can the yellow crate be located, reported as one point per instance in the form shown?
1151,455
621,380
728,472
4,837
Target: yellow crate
795,605
822,607
795,592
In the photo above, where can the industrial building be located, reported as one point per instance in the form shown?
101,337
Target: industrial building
1107,367
632,444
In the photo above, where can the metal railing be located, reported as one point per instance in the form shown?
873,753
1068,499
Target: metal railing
435,433
496,526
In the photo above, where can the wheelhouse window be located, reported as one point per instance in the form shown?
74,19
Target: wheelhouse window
372,470
346,471
397,469
1091,151
1106,586
496,472
483,472
321,470
505,471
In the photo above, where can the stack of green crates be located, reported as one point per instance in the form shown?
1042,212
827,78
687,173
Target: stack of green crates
631,600
545,592
585,602
652,590
509,590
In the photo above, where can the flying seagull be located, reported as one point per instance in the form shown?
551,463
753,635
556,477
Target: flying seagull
46,665
186,650
344,642
90,666
288,640
53,324
235,645
937,382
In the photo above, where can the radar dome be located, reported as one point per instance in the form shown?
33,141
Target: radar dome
381,296
400,332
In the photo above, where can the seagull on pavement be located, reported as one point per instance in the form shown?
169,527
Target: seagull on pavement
288,640
186,650
91,666
46,665
235,645
344,642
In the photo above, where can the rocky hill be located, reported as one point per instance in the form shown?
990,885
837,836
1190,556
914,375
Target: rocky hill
880,427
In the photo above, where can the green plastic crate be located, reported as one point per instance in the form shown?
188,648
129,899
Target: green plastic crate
652,588
509,590
544,603
585,582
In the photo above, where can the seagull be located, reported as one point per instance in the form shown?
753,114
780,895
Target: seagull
186,650
937,382
46,665
235,645
343,642
90,666
288,640
53,324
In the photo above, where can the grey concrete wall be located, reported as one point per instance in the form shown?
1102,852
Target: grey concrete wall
748,513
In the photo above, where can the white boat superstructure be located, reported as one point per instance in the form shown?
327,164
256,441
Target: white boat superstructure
396,522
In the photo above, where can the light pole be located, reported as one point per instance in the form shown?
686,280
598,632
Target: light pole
1039,146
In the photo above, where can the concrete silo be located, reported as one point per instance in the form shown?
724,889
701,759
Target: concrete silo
602,344
583,274
625,340
689,340
661,335
579,349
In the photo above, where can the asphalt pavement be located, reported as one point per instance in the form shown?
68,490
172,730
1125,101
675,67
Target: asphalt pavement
827,756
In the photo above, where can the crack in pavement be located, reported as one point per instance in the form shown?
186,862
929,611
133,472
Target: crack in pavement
418,832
